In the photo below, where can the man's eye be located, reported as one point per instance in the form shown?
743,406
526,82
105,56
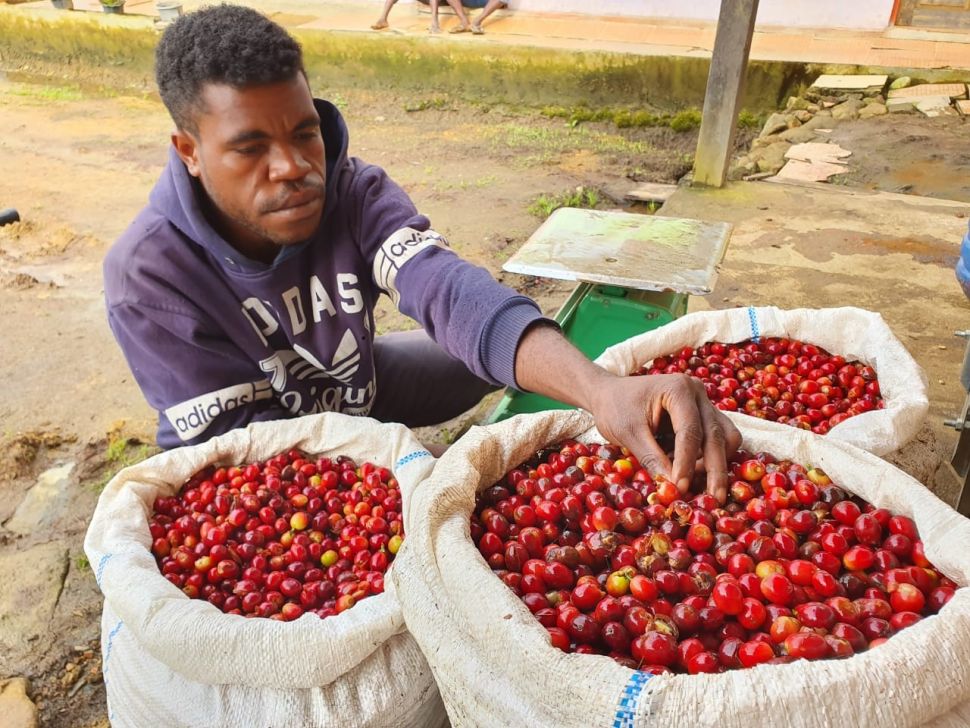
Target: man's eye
248,151
307,136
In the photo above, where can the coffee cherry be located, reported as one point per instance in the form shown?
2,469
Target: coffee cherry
263,534
615,563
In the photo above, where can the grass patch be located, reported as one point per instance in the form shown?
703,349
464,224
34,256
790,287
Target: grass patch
81,562
541,144
544,205
44,94
750,120
438,103
464,184
686,120
121,453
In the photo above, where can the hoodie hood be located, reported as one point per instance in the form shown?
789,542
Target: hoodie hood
178,197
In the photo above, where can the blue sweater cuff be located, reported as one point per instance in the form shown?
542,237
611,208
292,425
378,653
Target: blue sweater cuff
501,337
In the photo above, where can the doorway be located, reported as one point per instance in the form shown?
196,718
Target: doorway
941,14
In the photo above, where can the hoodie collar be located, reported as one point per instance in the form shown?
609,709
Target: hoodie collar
178,196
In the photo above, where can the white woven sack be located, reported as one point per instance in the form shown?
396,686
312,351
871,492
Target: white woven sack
851,332
174,661
495,667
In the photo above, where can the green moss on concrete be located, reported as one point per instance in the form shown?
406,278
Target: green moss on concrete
109,42
117,52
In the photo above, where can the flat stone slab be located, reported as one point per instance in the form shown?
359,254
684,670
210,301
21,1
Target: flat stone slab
32,580
933,105
963,107
900,106
44,502
817,152
849,82
17,709
651,192
951,90
815,171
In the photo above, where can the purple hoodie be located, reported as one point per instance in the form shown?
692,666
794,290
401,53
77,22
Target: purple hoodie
216,340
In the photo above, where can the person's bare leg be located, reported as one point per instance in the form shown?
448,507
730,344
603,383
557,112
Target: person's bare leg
490,7
435,28
463,24
382,21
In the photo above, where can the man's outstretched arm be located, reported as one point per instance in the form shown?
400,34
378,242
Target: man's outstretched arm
629,410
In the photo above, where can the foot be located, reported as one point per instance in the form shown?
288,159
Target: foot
460,29
379,25
434,29
477,29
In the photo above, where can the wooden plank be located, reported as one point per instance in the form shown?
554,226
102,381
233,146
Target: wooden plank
725,86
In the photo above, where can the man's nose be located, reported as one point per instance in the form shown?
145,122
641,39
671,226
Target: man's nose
287,164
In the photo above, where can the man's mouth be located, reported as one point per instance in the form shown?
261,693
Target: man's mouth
299,201
300,205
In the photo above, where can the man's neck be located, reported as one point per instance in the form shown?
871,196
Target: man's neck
246,241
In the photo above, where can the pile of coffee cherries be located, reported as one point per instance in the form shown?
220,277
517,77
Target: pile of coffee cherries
614,562
782,380
280,538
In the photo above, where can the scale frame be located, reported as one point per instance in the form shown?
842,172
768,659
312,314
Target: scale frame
611,303
628,250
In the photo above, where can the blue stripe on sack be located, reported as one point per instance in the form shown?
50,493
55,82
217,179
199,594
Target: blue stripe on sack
100,570
753,320
629,698
411,457
111,636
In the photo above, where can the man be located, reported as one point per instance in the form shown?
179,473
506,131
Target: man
463,25
490,7
245,290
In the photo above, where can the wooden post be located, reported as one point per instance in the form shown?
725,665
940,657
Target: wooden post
725,86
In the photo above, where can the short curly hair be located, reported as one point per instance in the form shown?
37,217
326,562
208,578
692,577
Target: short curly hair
222,44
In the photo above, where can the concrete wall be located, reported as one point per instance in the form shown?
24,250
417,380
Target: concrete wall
855,14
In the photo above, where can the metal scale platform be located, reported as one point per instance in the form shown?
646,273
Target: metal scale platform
634,273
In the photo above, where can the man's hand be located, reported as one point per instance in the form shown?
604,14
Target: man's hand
630,410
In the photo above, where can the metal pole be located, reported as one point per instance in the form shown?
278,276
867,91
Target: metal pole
725,86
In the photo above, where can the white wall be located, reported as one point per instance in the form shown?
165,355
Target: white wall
855,14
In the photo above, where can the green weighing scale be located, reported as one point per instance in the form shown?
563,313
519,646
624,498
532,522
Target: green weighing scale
634,274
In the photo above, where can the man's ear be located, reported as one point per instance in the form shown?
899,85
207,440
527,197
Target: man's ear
188,150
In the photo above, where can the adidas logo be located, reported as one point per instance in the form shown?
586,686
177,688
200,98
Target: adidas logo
343,367
193,417
302,365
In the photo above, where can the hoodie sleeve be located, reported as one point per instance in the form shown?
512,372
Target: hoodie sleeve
461,306
200,382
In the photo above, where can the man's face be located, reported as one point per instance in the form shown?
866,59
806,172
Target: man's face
259,154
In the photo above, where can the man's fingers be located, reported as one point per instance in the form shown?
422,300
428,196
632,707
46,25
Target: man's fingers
688,435
715,449
732,435
651,456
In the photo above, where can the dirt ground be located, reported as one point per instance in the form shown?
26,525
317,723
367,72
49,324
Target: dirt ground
78,168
